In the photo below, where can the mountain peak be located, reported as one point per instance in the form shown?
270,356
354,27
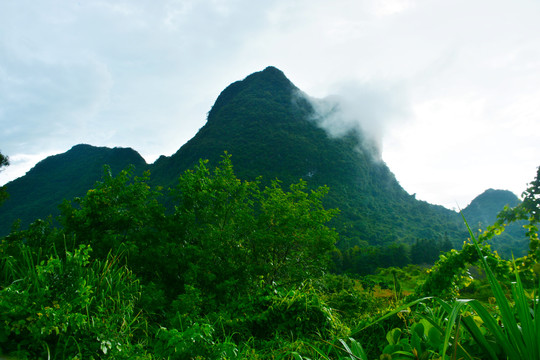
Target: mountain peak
485,207
271,73
268,83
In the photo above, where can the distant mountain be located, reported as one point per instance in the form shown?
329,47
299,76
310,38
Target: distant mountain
485,207
270,128
482,212
38,193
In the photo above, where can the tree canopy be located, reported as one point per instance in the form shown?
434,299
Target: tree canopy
4,161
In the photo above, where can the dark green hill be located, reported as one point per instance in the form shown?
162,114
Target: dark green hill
482,212
38,193
268,127
257,122
485,207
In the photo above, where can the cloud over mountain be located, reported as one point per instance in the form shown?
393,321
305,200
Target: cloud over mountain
368,109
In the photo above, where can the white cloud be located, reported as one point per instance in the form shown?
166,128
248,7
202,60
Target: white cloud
391,7
370,108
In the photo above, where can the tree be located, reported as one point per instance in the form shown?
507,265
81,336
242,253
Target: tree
230,234
291,241
120,214
4,161
213,234
528,210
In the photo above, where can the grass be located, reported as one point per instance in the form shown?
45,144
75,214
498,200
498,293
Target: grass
510,330
519,335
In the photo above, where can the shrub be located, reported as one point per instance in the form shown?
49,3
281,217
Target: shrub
68,307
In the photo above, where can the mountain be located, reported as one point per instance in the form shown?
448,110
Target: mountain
482,212
257,121
485,207
271,129
65,176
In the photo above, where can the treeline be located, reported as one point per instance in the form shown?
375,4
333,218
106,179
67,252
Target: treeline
364,260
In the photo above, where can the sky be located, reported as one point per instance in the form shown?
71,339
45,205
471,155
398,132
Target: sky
449,89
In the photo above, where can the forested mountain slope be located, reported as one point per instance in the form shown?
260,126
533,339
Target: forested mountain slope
482,212
38,193
269,127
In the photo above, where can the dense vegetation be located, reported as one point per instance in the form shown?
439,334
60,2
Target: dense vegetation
271,130
59,177
4,161
221,268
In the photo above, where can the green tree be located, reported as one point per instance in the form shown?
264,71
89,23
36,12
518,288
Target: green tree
291,241
122,214
529,210
211,227
4,161
231,233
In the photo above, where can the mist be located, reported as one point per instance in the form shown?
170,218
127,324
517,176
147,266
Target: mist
365,109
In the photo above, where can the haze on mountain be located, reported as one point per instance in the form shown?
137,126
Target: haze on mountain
271,129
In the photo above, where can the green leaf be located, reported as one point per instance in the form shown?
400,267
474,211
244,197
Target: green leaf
435,338
393,336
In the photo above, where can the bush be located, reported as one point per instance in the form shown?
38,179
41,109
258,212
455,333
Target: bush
68,307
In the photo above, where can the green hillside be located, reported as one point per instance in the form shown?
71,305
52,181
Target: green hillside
59,177
268,127
482,212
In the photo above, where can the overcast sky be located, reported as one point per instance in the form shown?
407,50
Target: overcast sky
450,88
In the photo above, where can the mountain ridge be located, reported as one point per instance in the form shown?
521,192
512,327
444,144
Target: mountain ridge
267,126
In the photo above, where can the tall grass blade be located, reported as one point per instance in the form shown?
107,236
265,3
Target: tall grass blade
356,353
454,312
513,339
528,328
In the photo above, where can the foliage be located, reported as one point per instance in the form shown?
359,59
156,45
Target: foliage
223,268
163,266
121,213
38,193
529,211
344,349
451,272
521,321
425,251
468,328
195,342
347,297
232,233
68,305
483,211
272,130
4,161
